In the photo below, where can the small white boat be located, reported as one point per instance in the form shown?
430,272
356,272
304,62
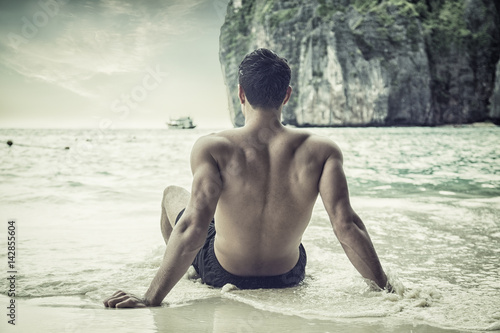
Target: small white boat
181,123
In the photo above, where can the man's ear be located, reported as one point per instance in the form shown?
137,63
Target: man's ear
241,94
287,96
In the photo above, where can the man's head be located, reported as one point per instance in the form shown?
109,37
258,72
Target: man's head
264,77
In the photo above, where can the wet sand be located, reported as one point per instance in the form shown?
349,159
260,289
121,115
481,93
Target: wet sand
78,314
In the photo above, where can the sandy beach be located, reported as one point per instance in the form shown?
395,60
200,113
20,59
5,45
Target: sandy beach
73,314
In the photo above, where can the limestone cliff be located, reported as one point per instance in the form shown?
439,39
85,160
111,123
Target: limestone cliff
495,98
367,62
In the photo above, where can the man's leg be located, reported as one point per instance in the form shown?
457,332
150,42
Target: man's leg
174,200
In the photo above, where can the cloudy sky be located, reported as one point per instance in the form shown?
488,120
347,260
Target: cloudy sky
128,63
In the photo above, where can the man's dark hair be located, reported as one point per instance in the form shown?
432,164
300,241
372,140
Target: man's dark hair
264,77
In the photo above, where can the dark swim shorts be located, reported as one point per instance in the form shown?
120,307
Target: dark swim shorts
212,273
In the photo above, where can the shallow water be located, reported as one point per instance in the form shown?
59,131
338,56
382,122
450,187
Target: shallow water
87,222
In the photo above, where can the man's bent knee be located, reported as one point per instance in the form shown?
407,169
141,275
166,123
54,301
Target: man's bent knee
173,191
175,198
170,189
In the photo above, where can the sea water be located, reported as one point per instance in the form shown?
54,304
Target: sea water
87,206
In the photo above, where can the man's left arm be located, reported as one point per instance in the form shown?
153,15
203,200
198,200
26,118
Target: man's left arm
190,232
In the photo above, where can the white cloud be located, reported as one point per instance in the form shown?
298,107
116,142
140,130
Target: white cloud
94,38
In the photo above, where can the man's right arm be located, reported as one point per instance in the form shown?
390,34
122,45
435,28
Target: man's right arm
347,225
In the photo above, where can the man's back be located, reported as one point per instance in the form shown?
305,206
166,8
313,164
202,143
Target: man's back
270,180
260,184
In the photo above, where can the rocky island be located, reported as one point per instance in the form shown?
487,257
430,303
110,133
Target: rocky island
373,62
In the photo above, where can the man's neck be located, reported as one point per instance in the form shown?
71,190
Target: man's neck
263,119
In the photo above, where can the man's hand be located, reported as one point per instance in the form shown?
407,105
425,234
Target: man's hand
121,299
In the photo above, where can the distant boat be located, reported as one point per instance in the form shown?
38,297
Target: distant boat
181,123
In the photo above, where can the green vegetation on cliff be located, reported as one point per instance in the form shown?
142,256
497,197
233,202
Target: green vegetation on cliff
280,16
446,26
383,7
235,43
412,62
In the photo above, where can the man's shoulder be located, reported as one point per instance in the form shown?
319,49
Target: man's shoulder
216,138
213,142
319,144
230,138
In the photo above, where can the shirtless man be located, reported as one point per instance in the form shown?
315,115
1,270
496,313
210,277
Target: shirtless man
259,183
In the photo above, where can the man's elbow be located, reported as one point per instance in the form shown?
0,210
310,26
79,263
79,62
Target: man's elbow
192,236
343,229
